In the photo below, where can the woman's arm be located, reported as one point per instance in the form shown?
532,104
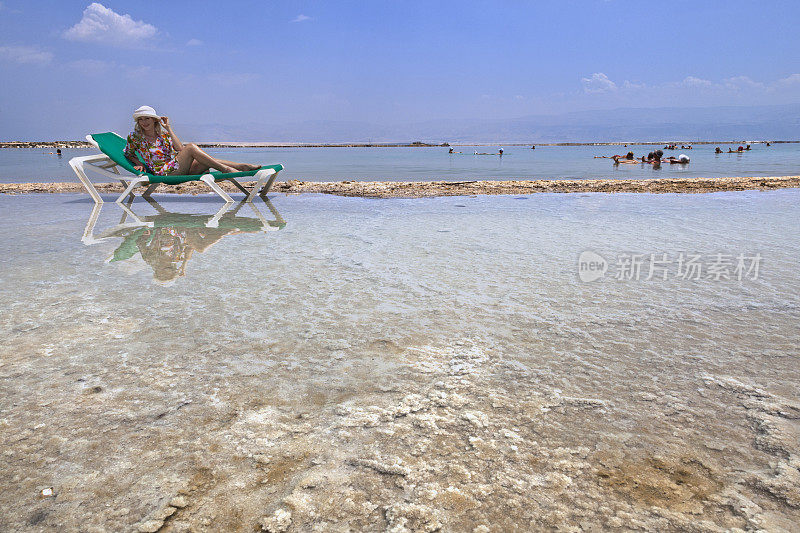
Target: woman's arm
137,165
176,143
130,154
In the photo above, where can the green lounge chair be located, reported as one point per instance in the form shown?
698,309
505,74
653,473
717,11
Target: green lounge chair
108,163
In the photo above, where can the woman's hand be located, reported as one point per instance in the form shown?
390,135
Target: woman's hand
165,123
138,168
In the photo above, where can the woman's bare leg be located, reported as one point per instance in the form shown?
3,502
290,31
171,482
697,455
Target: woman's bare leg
244,167
199,168
191,153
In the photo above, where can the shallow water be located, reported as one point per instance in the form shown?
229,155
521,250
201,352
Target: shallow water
346,363
20,165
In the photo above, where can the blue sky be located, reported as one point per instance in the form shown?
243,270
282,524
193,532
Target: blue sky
71,67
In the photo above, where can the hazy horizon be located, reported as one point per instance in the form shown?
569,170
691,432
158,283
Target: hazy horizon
697,124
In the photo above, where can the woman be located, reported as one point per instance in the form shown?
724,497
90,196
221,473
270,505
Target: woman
164,154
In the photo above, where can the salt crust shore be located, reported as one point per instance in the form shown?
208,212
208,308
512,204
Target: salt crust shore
422,189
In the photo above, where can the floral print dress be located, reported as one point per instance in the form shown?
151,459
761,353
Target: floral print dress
159,156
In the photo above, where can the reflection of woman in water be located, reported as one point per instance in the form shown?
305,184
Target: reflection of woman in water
168,249
168,246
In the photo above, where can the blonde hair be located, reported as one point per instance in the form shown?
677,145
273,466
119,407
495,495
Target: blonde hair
138,129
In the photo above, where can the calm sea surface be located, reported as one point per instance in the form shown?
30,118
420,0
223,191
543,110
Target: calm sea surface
19,165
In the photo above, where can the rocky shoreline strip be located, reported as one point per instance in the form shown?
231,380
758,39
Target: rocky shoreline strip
45,144
422,189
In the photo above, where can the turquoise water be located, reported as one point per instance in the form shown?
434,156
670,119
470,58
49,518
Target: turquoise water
19,165
367,363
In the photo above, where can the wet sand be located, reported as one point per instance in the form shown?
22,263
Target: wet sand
421,189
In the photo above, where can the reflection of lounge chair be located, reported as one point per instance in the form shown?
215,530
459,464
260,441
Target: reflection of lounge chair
227,216
108,163
166,241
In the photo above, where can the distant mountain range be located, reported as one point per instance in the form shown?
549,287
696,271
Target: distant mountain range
617,125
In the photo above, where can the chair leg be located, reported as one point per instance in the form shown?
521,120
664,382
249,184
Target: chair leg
278,218
214,221
146,194
88,233
268,186
77,165
239,186
261,176
208,179
135,182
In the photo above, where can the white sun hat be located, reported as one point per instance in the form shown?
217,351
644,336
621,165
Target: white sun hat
145,111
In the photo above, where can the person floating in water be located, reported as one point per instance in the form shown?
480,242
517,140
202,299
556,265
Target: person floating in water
622,158
717,150
534,146
768,143
452,152
628,159
500,152
653,158
682,159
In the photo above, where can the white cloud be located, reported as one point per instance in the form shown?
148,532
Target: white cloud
103,25
194,42
598,83
26,54
736,86
301,18
631,86
740,89
788,81
742,82
691,81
